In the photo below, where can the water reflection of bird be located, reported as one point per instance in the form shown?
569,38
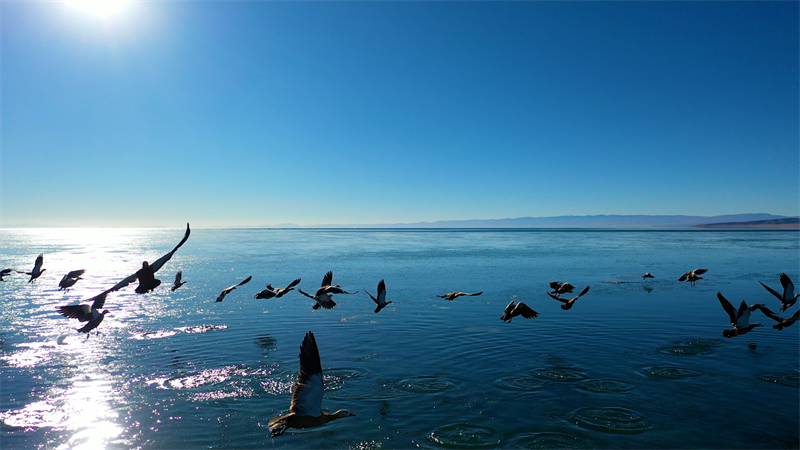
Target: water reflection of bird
381,300
86,313
568,302
520,309
782,323
692,276
306,409
561,288
271,292
230,289
788,298
5,272
37,268
740,319
70,279
647,275
178,283
454,295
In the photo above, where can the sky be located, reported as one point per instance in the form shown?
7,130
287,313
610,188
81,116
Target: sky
263,113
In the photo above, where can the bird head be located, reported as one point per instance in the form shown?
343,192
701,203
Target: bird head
343,413
105,311
729,333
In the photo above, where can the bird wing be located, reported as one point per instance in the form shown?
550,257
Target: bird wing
99,301
178,277
556,297
5,272
566,288
307,295
525,311
726,305
381,292
699,271
308,389
584,291
743,317
685,276
39,261
507,311
81,312
770,314
472,295
265,294
772,291
334,290
788,287
161,261
373,298
293,284
327,279
554,285
76,273
326,301
246,280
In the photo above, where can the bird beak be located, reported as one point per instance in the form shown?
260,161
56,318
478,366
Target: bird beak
352,415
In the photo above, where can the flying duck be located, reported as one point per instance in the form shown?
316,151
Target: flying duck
5,272
782,323
271,292
520,309
37,268
561,288
740,319
568,302
647,275
230,289
454,295
178,283
692,276
788,298
381,300
70,279
306,409
86,313
323,295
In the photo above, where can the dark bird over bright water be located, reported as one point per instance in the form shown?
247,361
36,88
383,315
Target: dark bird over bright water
568,302
37,268
520,309
454,295
230,289
740,319
782,323
178,283
692,276
380,301
271,292
86,313
788,297
70,279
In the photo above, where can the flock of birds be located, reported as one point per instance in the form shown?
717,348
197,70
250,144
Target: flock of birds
306,407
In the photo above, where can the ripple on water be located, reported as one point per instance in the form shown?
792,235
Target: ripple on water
335,378
560,374
153,335
610,420
691,347
425,384
266,342
783,380
549,439
669,373
465,435
605,386
520,383
205,328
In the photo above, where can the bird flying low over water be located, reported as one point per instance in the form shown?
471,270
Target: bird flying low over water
520,309
86,313
37,268
782,323
692,276
271,292
5,272
454,295
381,300
647,275
740,319
561,288
568,302
228,290
70,279
306,409
323,295
788,298
178,283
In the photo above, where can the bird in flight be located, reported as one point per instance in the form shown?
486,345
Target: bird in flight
647,275
568,302
740,319
178,283
306,408
561,288
86,313
788,298
454,295
5,272
692,276
37,268
782,323
230,289
271,292
381,300
520,309
323,295
70,279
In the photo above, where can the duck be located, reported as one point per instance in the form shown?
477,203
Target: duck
86,313
782,323
561,288
37,268
740,319
692,276
306,409
230,289
454,295
271,292
70,279
4,273
520,309
381,300
647,275
788,298
568,302
178,283
323,295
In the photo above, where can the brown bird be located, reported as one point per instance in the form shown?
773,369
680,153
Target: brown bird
647,275
521,309
381,300
740,319
454,295
782,323
561,288
86,313
568,302
306,409
230,289
788,298
70,279
271,292
323,295
692,276
37,268
178,283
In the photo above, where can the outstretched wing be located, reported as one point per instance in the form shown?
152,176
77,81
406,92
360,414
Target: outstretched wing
307,295
684,276
308,389
699,271
327,279
381,292
373,298
178,277
788,287
726,305
293,284
81,312
556,297
76,273
584,291
525,311
161,261
770,314
771,291
246,280
39,262
473,295
554,285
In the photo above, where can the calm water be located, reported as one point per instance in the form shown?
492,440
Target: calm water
633,365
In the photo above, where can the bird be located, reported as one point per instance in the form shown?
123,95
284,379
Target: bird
782,323
306,408
70,279
692,276
381,300
568,302
788,298
5,272
178,283
37,268
520,309
647,275
271,292
323,295
454,295
146,274
740,319
86,313
228,290
561,288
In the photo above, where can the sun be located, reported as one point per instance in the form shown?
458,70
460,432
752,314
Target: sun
100,8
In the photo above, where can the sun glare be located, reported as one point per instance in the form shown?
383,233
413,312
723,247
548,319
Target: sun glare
101,8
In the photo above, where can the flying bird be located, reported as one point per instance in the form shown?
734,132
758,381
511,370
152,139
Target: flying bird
740,319
37,268
568,302
5,272
647,275
381,300
561,288
228,290
306,409
454,295
520,309
271,292
692,276
178,283
70,279
323,295
782,323
86,313
788,298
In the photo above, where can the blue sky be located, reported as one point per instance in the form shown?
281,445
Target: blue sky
259,113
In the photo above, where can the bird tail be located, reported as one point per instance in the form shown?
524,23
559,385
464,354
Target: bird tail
278,425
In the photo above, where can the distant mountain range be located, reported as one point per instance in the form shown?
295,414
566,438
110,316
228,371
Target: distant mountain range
599,221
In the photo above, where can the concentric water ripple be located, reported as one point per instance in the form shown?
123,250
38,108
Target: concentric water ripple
205,328
335,378
520,383
669,373
691,347
792,381
425,384
611,420
549,439
560,374
605,386
465,435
